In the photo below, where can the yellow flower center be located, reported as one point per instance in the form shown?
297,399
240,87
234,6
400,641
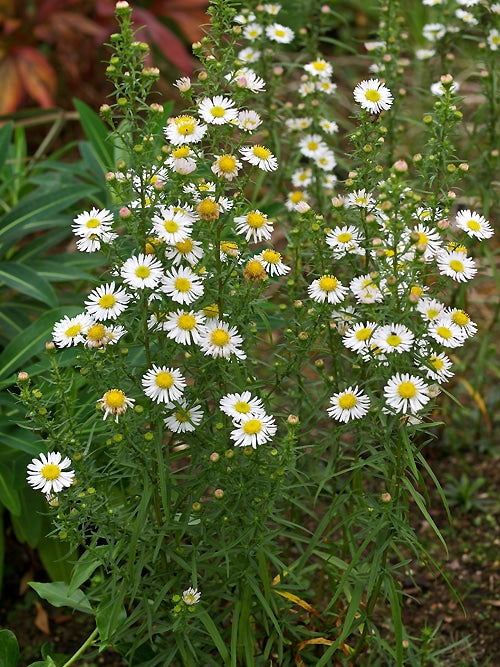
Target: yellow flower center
208,209
422,238
437,363
171,226
211,311
372,95
255,268
407,390
347,401
220,337
182,151
114,398
182,284
312,145
296,196
432,313
184,246
186,322
96,332
416,289
183,416
142,272
393,340
279,33
444,332
73,331
227,164
252,426
364,333
185,124
217,112
229,248
460,318
328,283
92,223
361,200
319,65
344,237
50,471
164,380
271,256
255,220
261,152
457,265
473,225
107,301
242,406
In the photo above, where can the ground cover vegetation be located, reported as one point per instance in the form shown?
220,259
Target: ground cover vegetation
223,409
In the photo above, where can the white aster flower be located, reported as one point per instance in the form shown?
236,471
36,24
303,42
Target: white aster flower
182,285
252,31
272,261
320,68
171,224
249,55
183,418
279,33
424,54
326,87
272,9
184,326
406,393
373,96
428,240
294,198
106,302
248,120
328,126
298,124
302,177
474,224
312,144
351,403
430,309
142,271
493,38
327,289
162,384
241,405
438,89
466,17
365,290
226,166
217,110
184,130
95,223
71,330
325,160
462,320
248,79
446,332
437,367
393,338
191,596
456,265
218,339
48,473
358,336
255,226
260,157
360,198
183,84
114,402
345,239
254,430
98,335
433,31
307,88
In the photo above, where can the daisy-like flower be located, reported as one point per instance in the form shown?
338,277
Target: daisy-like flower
438,89
351,403
433,31
183,84
71,330
365,290
183,418
186,250
248,120
260,157
272,9
180,158
373,96
424,54
184,326
279,33
106,302
293,198
428,240
456,265
249,55
239,406
493,38
255,225
359,198
466,17
298,124
97,335
171,224
48,473
96,223
406,393
345,240
226,166
326,87
320,68
191,596
302,177
182,285
358,336
328,126
446,332
218,339
393,338
474,224
114,402
312,145
462,320
252,31
325,160
142,271
162,384
217,110
254,430
437,367
184,130
430,309
307,88
272,261
249,80
327,289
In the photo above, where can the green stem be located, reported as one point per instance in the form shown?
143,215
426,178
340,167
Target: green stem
89,641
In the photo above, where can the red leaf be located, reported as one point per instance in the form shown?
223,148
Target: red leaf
10,85
189,15
37,76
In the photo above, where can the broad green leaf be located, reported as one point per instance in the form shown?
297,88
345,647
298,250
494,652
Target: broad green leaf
31,341
84,569
57,271
56,594
9,649
32,524
27,281
56,558
109,616
97,133
2,551
8,495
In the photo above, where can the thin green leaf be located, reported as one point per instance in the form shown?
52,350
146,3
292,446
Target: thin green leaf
5,139
27,281
215,635
419,500
97,133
